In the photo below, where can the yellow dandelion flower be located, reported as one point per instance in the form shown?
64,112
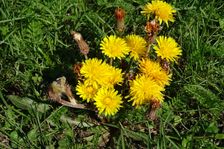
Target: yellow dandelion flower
101,72
112,76
108,101
93,69
137,46
87,90
162,10
162,78
114,47
154,70
167,48
143,89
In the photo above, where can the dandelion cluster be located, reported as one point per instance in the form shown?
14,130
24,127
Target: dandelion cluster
98,85
108,84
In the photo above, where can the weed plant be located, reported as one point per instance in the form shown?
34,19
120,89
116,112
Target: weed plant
36,48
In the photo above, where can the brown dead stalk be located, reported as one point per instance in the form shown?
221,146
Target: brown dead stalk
83,46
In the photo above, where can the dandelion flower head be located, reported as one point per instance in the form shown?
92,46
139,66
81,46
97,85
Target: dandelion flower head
167,48
93,69
112,76
137,46
154,70
100,72
114,47
162,10
87,90
143,89
108,101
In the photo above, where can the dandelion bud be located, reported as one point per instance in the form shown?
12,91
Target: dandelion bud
83,46
165,65
119,14
154,105
151,29
76,70
130,75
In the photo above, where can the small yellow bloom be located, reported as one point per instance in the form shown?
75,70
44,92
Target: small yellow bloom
101,72
108,101
162,78
92,69
114,47
154,70
112,76
167,48
162,10
87,90
143,89
137,45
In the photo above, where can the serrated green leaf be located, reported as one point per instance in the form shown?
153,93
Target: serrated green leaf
203,95
212,128
22,103
32,134
219,136
138,136
26,103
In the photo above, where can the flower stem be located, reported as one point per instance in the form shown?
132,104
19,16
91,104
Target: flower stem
111,61
86,57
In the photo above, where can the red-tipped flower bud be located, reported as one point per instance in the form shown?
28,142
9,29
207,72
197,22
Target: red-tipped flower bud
120,14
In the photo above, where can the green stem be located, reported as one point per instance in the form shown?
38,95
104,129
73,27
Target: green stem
111,61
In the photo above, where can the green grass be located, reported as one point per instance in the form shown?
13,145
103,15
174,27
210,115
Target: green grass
36,47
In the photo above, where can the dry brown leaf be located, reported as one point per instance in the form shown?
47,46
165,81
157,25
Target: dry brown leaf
59,90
